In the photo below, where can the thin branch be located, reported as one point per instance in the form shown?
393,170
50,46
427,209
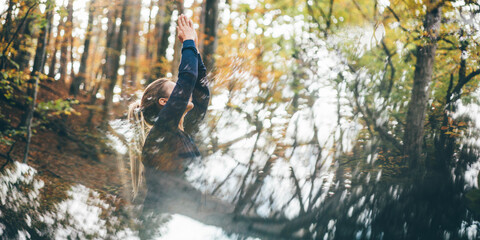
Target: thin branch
225,180
298,191
311,201
454,45
316,168
360,10
392,68
463,79
310,10
472,75
330,12
254,199
320,9
116,134
261,219
398,19
368,117
231,142
306,219
241,198
315,198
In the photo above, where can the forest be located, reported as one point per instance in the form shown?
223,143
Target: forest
328,119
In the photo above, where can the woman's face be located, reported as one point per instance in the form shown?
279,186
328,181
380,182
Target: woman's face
169,86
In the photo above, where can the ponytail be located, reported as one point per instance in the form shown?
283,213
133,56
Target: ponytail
141,115
140,127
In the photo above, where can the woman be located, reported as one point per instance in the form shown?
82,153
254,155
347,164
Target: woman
168,147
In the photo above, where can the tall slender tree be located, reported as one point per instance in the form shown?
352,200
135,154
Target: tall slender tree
67,34
177,46
80,77
6,35
48,36
53,57
132,45
36,71
162,32
210,28
23,39
113,62
8,21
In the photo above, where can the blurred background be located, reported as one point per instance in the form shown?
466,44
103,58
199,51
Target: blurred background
329,119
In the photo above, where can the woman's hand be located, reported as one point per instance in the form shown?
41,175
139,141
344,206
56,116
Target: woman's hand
185,30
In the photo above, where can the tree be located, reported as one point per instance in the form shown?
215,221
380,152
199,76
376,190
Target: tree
80,78
67,28
177,46
210,27
35,74
23,41
53,56
162,32
414,129
132,46
112,60
6,58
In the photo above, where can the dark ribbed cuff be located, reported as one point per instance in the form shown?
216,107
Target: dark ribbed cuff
189,44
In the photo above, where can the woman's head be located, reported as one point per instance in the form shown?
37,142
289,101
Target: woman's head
155,97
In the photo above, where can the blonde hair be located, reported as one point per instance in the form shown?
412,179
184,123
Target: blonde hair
135,116
141,115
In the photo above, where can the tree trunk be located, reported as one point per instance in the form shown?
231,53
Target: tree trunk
413,139
6,32
148,47
23,41
210,32
53,63
113,62
131,49
8,21
162,31
80,78
148,44
48,37
37,64
177,47
67,34
72,59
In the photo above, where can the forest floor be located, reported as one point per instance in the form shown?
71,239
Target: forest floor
68,150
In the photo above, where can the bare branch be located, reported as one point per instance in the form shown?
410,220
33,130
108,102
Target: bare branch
472,75
225,180
298,191
360,10
368,117
398,19
392,68
231,142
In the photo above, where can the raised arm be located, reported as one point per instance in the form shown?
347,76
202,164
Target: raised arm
200,99
174,109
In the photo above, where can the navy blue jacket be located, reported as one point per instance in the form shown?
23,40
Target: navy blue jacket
167,148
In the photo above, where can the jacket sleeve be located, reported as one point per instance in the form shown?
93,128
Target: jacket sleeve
200,99
173,110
